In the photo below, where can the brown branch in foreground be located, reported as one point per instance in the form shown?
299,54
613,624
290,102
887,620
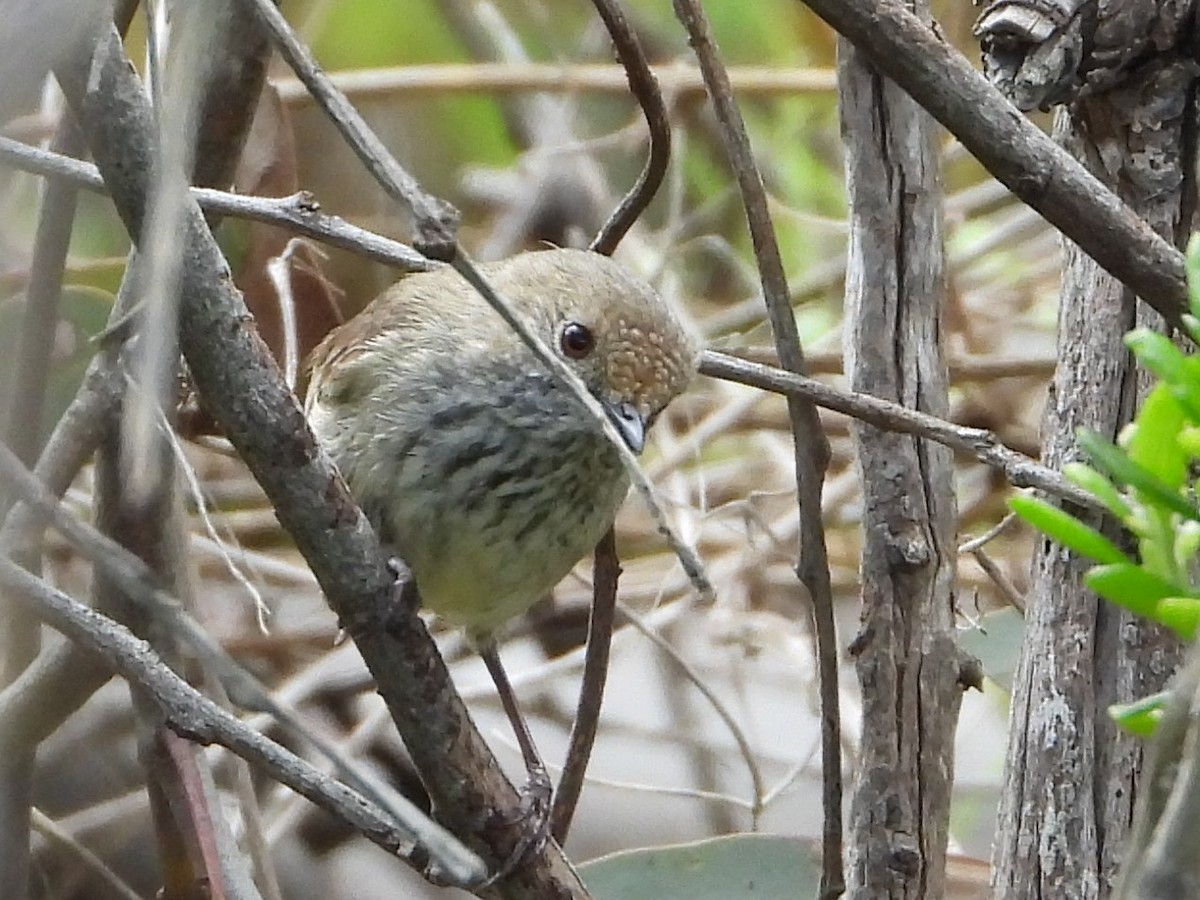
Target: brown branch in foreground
299,213
645,88
1012,148
1019,469
244,390
142,587
434,220
194,716
811,445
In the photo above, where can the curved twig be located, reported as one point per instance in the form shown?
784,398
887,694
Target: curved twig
644,85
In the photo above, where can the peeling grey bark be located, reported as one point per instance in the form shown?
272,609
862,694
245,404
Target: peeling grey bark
1045,52
1072,776
908,663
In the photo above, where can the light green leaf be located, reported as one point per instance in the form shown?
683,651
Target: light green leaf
1193,274
1066,529
1096,484
1154,446
1180,614
1130,586
1142,716
1120,466
1156,352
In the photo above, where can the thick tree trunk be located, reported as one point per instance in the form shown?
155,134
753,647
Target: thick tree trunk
1072,776
907,661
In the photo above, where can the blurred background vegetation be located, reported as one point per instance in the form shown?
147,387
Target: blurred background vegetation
514,111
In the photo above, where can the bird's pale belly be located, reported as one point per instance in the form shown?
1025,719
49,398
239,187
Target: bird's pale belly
502,531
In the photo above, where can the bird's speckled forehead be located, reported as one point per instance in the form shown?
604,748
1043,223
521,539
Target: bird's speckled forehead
647,348
649,361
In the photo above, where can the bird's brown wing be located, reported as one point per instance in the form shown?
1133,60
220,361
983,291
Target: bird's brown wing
350,339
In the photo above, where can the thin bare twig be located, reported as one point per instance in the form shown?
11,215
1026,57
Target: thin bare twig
735,730
23,427
1019,469
973,544
299,212
645,88
677,80
195,717
811,446
1003,583
50,829
434,220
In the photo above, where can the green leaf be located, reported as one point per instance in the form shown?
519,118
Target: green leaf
1191,325
1118,465
1066,529
1140,717
1186,388
1153,445
1157,352
1130,586
1193,274
1180,614
1189,440
764,867
1096,484
1187,545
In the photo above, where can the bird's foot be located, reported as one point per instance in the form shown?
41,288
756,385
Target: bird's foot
532,816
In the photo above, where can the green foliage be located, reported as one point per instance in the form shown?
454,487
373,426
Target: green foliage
1140,717
1147,481
760,866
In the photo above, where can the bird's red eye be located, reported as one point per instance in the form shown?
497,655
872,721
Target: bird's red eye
577,340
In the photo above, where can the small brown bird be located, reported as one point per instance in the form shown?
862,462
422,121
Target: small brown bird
487,475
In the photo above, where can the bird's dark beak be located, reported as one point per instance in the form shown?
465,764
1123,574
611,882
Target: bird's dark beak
629,422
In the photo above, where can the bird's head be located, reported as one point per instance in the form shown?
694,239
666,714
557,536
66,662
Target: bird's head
632,348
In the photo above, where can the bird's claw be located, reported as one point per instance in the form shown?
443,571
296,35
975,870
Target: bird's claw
532,816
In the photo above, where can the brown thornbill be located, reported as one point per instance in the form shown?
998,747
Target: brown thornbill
488,476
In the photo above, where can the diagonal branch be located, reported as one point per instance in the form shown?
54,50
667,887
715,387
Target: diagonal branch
243,388
194,716
1012,148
